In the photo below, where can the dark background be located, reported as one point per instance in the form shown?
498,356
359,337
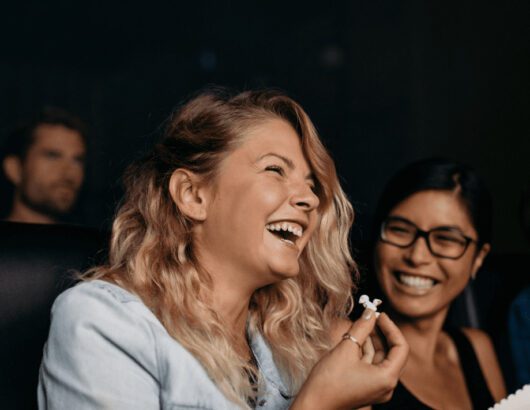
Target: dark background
386,82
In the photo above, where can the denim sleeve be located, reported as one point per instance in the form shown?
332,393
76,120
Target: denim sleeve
519,328
100,354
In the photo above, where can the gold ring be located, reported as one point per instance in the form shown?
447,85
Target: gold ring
353,339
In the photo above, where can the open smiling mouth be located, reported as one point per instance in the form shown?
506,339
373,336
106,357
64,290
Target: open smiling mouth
287,232
414,281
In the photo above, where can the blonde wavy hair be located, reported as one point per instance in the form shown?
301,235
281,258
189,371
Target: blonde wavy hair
152,255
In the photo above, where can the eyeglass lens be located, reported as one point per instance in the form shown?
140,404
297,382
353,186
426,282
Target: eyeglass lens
442,241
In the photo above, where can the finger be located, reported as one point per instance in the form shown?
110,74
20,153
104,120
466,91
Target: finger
358,346
362,327
399,348
379,357
377,340
368,351
379,347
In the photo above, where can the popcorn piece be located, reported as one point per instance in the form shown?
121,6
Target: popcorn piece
365,301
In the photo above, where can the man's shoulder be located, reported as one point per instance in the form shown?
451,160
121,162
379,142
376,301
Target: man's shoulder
523,299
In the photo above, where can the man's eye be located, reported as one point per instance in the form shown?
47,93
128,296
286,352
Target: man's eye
51,154
275,168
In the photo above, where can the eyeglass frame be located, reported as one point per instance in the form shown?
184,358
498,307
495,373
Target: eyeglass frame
425,235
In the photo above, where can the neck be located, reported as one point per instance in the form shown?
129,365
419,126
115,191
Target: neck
231,295
231,304
20,212
233,286
422,334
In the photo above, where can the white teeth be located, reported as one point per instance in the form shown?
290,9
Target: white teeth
292,227
416,281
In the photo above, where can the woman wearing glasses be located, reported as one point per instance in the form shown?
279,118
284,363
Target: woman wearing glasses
434,222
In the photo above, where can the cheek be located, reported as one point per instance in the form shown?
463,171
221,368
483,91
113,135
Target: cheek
459,271
255,201
246,209
385,258
314,222
380,263
35,173
79,172
42,170
270,195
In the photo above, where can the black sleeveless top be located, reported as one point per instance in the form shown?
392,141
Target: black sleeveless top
481,398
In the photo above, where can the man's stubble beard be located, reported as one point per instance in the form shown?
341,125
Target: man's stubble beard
47,206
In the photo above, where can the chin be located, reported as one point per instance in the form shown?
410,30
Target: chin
414,311
285,272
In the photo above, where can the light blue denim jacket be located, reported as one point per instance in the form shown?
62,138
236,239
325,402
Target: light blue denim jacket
107,350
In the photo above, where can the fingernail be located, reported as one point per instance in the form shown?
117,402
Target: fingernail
368,313
377,314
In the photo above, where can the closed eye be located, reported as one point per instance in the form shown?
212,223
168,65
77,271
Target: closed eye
449,239
397,229
275,168
52,154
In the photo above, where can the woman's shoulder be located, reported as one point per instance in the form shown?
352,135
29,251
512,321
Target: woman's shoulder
95,292
482,346
479,339
487,358
99,304
97,289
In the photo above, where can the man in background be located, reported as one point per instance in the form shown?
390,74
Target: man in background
45,163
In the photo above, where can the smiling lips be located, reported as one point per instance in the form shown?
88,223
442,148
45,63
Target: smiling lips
414,281
286,231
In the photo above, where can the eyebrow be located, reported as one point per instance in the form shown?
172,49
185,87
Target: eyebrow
287,161
400,218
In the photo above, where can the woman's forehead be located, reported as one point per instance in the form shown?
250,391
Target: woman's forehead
432,208
273,137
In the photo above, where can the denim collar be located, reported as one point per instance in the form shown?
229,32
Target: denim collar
267,367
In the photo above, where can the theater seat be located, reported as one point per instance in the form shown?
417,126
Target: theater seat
37,262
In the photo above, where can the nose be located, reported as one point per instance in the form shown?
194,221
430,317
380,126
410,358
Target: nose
72,171
304,198
418,253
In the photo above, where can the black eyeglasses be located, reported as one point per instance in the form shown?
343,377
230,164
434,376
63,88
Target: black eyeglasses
444,241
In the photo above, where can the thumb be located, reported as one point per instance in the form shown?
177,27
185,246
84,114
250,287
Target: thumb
362,327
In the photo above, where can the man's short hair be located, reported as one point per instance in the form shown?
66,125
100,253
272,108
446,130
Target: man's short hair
21,139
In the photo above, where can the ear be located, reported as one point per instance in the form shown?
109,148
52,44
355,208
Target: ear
189,194
13,169
479,259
